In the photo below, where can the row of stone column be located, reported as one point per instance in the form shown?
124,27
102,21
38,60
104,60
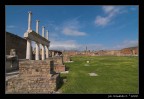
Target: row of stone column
43,46
37,52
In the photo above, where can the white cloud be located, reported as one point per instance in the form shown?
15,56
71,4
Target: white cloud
102,21
72,32
73,23
110,12
63,45
73,45
108,9
11,26
71,28
126,43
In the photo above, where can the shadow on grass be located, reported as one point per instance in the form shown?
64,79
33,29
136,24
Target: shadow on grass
63,80
67,68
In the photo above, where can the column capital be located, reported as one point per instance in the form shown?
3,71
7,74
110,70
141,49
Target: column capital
30,12
43,26
37,20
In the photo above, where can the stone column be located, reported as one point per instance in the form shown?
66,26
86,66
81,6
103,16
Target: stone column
29,20
28,50
37,26
43,47
37,52
47,52
37,44
47,34
43,52
43,31
47,47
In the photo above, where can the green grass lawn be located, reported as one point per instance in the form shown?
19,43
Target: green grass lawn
116,75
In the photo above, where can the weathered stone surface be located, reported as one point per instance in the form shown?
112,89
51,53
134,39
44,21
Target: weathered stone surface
131,51
34,77
57,65
11,63
59,68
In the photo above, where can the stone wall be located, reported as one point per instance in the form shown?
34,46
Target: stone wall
58,65
11,63
66,58
123,52
113,53
34,77
130,51
59,68
70,53
17,43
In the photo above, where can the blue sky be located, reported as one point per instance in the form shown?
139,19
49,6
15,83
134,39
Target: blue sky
73,27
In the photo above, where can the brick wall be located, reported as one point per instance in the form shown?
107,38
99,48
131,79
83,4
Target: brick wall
58,65
34,77
59,68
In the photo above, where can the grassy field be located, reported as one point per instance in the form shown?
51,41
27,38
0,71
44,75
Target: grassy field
116,75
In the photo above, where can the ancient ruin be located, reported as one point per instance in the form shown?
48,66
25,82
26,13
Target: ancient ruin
131,51
39,70
11,61
36,76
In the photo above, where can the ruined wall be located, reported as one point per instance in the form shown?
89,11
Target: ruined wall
135,51
59,68
126,51
66,58
69,53
123,52
130,51
11,63
113,53
58,65
16,42
34,77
